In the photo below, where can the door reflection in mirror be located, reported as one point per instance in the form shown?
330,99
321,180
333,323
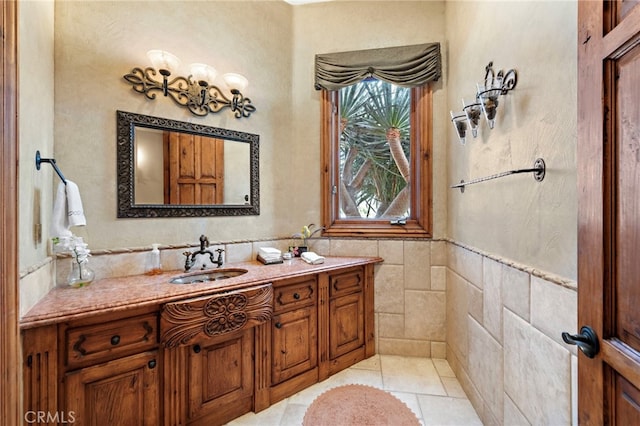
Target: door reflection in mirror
186,169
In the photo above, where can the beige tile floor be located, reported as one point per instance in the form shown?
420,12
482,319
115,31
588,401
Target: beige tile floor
428,387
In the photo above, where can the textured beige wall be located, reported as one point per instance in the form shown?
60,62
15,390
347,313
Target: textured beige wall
35,132
339,26
511,271
272,43
97,43
516,217
36,121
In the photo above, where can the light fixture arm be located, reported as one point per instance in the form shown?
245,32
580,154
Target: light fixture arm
200,99
507,80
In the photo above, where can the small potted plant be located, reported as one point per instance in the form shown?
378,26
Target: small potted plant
307,232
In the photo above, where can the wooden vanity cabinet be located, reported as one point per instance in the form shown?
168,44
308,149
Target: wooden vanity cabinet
321,324
124,391
110,370
294,342
209,354
203,360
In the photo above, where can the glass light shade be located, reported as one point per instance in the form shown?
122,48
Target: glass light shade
489,100
459,120
472,110
235,81
203,72
163,60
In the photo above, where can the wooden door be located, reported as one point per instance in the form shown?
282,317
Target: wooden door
609,210
122,392
195,172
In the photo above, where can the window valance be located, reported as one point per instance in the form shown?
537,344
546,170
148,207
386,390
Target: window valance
406,66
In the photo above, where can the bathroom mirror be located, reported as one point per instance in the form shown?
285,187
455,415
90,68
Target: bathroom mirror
169,168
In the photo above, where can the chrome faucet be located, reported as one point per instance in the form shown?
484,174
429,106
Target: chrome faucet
191,257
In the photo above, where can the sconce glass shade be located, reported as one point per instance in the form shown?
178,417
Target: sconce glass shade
489,100
235,81
203,73
472,110
459,120
163,60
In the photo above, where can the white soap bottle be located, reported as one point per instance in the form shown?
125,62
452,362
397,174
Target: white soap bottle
153,266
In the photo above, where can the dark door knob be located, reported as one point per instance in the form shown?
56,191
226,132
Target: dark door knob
587,341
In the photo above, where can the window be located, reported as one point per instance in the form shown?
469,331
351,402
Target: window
376,150
376,140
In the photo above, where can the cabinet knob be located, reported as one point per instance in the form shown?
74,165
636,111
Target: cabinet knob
197,349
115,340
296,296
278,325
152,364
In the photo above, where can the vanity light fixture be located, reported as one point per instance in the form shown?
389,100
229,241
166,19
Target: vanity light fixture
486,100
196,92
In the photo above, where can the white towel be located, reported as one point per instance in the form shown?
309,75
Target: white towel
269,253
67,210
312,258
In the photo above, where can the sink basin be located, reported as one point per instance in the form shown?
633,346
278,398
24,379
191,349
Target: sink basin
207,276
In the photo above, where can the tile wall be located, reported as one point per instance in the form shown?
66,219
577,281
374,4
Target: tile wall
504,325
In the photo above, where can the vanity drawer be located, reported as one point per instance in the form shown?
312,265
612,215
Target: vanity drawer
291,294
97,342
347,282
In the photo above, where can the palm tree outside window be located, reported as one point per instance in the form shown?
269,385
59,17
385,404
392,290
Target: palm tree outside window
374,152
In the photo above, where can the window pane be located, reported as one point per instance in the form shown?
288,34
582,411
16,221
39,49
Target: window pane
374,151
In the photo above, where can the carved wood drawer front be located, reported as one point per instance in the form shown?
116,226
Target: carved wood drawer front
296,293
98,342
211,316
347,282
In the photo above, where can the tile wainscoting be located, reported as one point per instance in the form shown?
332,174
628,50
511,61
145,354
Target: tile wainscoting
504,324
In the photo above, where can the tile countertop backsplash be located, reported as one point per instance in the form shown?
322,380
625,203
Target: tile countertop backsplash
114,294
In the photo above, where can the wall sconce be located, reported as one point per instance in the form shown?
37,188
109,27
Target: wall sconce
195,92
486,100
472,111
459,120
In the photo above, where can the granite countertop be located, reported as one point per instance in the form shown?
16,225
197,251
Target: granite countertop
118,294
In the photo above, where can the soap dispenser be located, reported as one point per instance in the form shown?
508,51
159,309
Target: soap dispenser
153,266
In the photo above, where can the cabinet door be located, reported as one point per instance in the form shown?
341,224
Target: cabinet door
123,392
220,378
294,343
346,324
